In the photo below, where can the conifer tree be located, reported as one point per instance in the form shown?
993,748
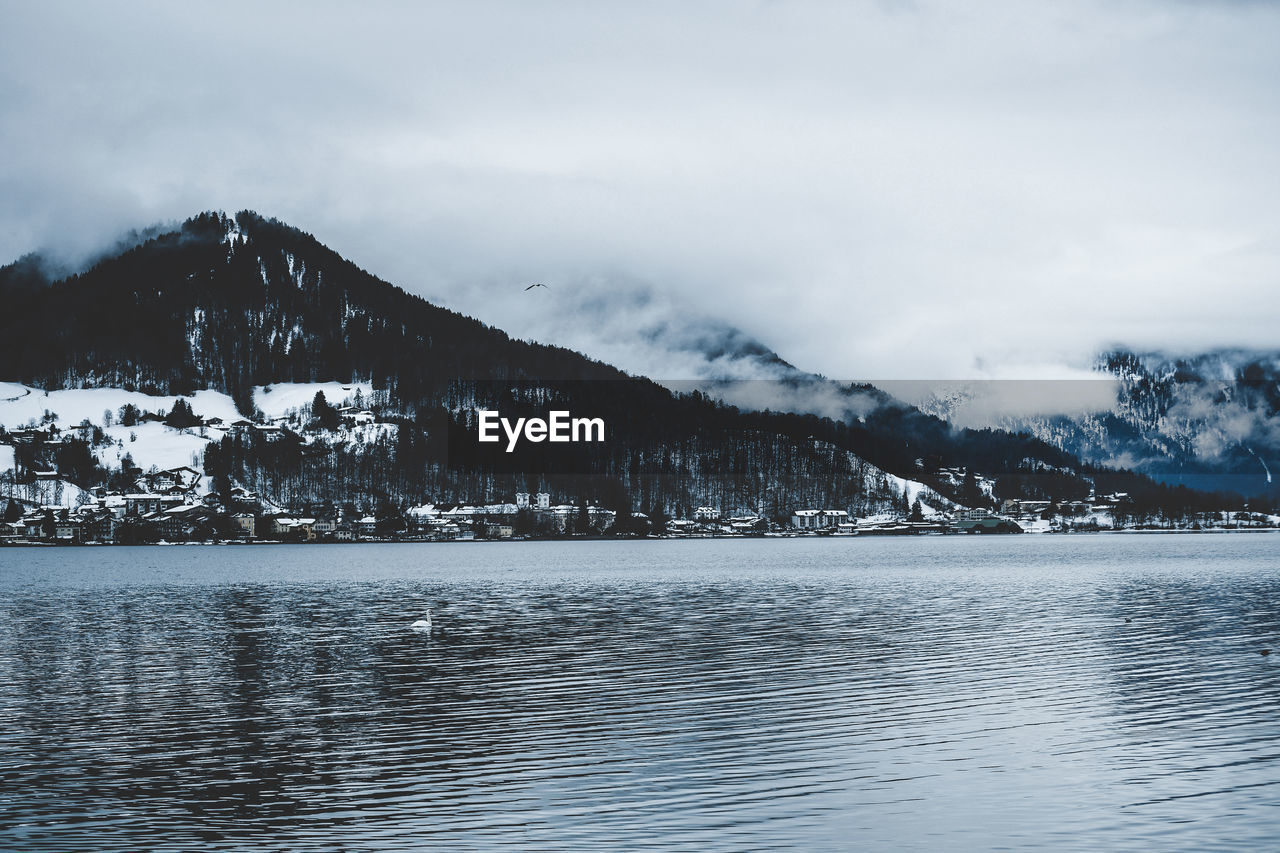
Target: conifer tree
917,511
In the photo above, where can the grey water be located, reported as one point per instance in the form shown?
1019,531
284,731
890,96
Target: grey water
1072,692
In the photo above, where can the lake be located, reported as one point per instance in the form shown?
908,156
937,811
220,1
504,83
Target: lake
1078,692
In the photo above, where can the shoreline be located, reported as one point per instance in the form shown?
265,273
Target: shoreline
511,540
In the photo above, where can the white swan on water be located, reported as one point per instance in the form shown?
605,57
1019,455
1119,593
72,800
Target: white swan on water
422,626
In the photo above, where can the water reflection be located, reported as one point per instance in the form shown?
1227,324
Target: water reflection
887,695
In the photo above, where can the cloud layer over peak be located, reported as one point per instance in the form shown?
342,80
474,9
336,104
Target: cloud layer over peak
884,189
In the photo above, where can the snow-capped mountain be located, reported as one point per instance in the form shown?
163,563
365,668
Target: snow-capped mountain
1208,420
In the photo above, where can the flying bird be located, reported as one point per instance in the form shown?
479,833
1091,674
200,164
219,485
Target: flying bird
539,284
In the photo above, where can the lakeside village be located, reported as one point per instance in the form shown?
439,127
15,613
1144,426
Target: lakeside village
171,507
46,506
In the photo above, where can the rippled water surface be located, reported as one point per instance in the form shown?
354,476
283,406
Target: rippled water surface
957,692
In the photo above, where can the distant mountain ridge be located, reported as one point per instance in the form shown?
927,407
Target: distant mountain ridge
232,302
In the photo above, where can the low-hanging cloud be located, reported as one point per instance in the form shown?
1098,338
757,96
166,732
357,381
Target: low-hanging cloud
871,190
1007,403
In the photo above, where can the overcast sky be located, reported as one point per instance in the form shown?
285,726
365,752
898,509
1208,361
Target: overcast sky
891,189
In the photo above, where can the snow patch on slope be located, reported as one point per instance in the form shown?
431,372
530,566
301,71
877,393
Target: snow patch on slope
930,501
156,445
151,445
285,398
20,405
53,493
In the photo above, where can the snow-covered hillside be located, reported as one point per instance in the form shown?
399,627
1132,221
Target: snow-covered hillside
23,406
149,444
155,445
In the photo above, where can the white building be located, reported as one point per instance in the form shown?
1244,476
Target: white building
818,519
834,517
806,519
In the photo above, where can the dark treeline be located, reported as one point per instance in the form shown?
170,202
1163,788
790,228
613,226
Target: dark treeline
659,472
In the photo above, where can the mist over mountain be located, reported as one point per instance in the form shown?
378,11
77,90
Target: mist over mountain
234,304
1206,420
